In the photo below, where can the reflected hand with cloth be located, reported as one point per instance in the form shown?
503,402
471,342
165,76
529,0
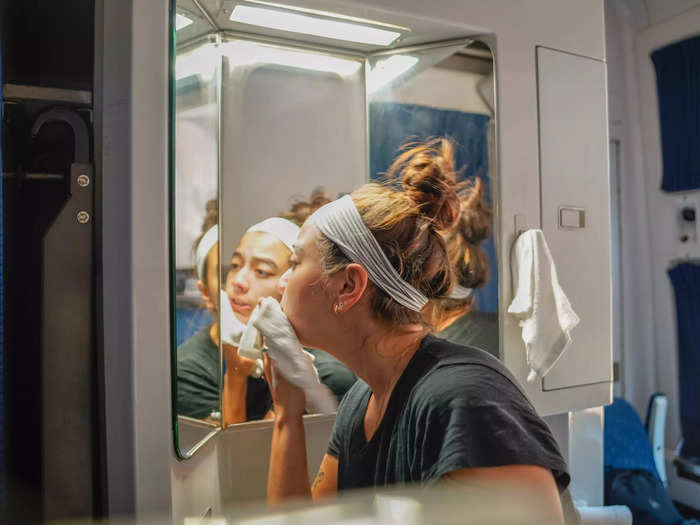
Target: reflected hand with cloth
231,333
289,358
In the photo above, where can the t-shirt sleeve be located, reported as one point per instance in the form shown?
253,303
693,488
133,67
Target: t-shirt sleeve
197,391
348,409
474,417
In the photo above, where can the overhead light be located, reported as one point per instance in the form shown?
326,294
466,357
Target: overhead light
203,60
181,21
295,22
241,53
388,70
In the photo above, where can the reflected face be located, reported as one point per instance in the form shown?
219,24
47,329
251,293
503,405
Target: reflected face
304,299
255,271
210,286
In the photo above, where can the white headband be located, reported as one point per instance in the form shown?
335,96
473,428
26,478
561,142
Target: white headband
459,292
286,231
207,242
341,223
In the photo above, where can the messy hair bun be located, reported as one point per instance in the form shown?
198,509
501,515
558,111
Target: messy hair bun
301,209
465,253
407,214
427,175
211,218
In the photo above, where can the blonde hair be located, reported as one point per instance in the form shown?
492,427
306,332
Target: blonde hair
406,213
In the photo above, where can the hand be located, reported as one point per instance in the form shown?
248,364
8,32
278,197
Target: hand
239,366
288,400
290,359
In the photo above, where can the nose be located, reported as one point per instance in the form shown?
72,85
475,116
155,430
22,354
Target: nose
239,280
282,284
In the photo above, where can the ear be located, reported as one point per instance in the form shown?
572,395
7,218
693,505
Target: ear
209,302
467,255
352,286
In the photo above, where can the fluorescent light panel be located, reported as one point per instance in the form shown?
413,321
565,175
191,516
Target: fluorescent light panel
310,25
181,21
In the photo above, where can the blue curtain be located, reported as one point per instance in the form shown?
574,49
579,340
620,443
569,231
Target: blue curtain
685,279
678,86
189,321
393,124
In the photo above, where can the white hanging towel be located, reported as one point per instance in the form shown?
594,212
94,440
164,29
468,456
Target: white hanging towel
545,313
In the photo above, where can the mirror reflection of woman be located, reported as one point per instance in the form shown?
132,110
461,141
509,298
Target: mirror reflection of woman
257,263
424,409
454,318
198,363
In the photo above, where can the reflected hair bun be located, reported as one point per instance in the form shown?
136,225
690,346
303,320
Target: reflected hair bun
428,180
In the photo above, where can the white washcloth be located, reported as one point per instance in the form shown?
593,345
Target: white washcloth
289,357
545,314
612,515
230,327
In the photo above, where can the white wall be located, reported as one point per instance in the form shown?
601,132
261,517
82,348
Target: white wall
440,88
284,133
649,224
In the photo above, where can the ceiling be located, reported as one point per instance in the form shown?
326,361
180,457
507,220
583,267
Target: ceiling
213,15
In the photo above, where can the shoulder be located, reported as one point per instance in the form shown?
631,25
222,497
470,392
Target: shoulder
198,351
465,376
352,403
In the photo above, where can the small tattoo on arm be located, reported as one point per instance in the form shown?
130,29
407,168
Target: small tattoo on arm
319,479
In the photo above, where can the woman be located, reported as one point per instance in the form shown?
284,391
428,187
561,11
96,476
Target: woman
453,317
198,368
245,395
257,263
364,268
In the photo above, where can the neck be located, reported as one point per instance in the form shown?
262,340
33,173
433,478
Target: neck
378,355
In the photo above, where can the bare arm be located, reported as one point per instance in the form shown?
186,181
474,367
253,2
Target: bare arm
528,488
288,475
233,398
326,483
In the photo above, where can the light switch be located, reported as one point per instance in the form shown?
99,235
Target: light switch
572,217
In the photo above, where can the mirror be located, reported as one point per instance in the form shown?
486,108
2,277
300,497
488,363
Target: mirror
194,247
293,138
424,92
266,130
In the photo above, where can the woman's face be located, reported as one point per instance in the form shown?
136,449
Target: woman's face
209,288
255,271
304,297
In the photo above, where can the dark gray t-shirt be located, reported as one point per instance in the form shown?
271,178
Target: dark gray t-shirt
453,407
198,372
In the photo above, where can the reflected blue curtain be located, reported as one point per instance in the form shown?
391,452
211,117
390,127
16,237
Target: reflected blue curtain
189,321
678,84
685,279
393,124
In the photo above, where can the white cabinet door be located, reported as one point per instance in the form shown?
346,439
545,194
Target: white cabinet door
575,200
